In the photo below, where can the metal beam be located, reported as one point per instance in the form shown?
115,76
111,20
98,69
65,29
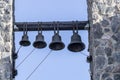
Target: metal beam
33,26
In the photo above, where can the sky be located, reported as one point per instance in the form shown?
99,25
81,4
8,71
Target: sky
60,65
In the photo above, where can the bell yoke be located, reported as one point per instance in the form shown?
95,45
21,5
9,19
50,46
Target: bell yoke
76,44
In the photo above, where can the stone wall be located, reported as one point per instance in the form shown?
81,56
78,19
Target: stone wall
104,39
6,39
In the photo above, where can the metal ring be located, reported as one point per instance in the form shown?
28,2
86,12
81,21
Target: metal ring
58,27
76,26
73,27
25,27
40,27
54,28
23,31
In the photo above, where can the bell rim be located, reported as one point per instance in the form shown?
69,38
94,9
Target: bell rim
21,43
81,43
63,46
40,47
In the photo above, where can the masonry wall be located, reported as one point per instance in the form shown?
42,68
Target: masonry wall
6,39
104,39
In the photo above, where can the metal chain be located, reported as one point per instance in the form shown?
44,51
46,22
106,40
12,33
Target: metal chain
39,27
54,27
73,26
58,27
76,26
26,28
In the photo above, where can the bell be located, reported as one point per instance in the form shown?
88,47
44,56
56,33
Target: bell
76,44
39,43
56,43
25,41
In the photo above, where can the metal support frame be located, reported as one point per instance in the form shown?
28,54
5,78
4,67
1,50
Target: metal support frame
47,26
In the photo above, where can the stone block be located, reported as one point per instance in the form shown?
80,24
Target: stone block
116,57
108,51
2,4
116,76
105,23
100,51
116,68
100,62
105,75
5,39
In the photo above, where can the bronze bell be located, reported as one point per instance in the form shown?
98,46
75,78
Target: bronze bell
25,41
39,43
56,43
76,44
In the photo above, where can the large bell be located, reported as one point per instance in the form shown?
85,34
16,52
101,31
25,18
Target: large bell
39,43
56,43
25,41
76,44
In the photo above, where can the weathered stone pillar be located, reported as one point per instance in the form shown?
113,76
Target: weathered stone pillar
6,39
104,39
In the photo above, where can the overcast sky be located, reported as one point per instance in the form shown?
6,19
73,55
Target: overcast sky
60,65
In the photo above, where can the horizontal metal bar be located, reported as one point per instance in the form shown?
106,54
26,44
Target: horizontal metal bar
34,26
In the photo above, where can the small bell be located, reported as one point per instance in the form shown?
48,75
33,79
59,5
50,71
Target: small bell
56,43
39,43
25,41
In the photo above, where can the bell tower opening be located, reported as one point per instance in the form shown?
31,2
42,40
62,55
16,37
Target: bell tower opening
59,65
